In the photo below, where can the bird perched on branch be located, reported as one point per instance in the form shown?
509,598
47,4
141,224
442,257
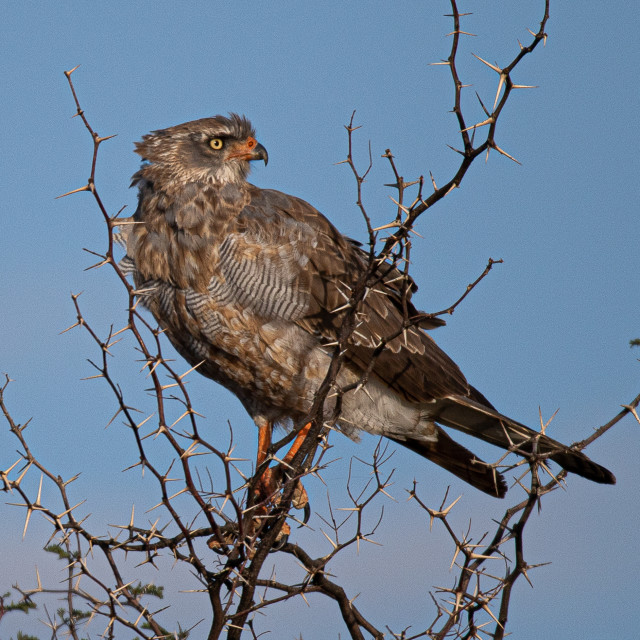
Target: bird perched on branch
254,285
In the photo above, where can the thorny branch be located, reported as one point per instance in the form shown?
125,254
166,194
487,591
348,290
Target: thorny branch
222,545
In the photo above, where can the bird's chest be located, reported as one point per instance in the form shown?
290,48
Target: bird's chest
264,362
228,296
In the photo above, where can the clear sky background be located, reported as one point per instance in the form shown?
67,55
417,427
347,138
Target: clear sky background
549,328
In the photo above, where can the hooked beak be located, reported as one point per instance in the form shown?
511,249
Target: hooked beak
260,153
250,150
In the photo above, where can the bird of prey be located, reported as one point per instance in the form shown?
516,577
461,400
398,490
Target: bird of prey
252,285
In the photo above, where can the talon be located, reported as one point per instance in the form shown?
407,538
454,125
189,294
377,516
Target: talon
300,498
279,543
283,537
268,486
213,544
228,535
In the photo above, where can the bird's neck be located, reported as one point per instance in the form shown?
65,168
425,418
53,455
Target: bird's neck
182,230
174,179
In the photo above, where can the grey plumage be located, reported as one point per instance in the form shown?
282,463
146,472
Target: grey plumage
251,281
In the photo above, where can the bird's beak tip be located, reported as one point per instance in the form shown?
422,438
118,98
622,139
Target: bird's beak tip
260,153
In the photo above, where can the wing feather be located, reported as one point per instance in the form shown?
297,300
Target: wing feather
308,270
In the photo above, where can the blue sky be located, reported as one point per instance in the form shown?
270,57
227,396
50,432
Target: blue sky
549,328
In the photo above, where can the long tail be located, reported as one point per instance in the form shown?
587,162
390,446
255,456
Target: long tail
482,421
479,419
453,457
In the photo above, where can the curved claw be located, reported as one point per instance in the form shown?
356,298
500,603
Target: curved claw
278,544
219,550
306,514
228,534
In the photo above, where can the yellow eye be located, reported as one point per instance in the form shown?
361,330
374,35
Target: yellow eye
216,143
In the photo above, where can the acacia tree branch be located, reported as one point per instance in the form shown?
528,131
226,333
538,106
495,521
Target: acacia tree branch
225,510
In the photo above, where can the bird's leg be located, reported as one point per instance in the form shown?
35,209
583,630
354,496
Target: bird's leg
300,497
297,443
264,491
264,441
270,479
267,485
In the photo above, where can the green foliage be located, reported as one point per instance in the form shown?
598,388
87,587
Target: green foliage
635,342
77,615
148,590
23,605
61,552
24,636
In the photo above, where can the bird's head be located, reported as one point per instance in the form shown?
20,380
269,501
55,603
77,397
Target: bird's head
216,150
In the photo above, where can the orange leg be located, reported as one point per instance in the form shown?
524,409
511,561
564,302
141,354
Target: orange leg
269,480
297,443
300,497
267,487
264,441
